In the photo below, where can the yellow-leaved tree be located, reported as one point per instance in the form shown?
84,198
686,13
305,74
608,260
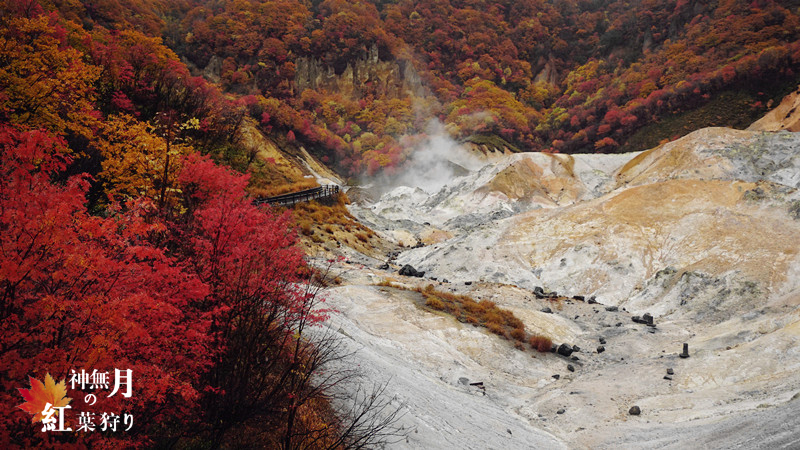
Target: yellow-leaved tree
43,83
142,160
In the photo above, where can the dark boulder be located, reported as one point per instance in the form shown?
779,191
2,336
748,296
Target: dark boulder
648,319
634,411
409,271
556,376
538,292
575,348
570,367
579,298
564,350
685,353
561,411
592,300
602,340
384,266
670,371
601,349
547,310
612,308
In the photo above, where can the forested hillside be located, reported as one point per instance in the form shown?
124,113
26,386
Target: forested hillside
566,76
358,81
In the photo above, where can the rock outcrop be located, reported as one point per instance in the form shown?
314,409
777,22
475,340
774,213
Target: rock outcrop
392,79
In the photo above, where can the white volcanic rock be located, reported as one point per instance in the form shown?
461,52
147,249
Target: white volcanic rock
703,233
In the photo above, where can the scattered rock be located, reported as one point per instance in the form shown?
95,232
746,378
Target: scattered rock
601,349
561,411
592,300
575,348
508,431
575,358
384,266
480,386
538,292
579,298
556,376
667,377
410,271
670,371
685,353
646,319
612,308
463,380
634,411
570,368
467,283
547,310
565,350
602,340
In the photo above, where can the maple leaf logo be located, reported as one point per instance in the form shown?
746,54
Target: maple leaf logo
40,394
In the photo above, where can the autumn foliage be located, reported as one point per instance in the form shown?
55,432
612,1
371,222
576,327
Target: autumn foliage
567,76
170,272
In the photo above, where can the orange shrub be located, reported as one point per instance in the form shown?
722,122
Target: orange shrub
542,344
497,329
518,334
435,303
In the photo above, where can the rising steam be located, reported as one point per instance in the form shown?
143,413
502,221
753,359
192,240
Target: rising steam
435,161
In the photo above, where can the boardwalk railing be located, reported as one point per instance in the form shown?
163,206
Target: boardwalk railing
300,196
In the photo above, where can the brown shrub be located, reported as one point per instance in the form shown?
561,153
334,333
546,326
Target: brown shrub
362,237
493,316
518,334
486,305
435,303
497,329
472,306
306,228
542,344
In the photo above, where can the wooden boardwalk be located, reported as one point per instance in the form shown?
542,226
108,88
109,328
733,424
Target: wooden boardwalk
290,199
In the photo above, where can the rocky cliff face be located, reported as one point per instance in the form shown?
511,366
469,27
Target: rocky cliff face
703,233
393,79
